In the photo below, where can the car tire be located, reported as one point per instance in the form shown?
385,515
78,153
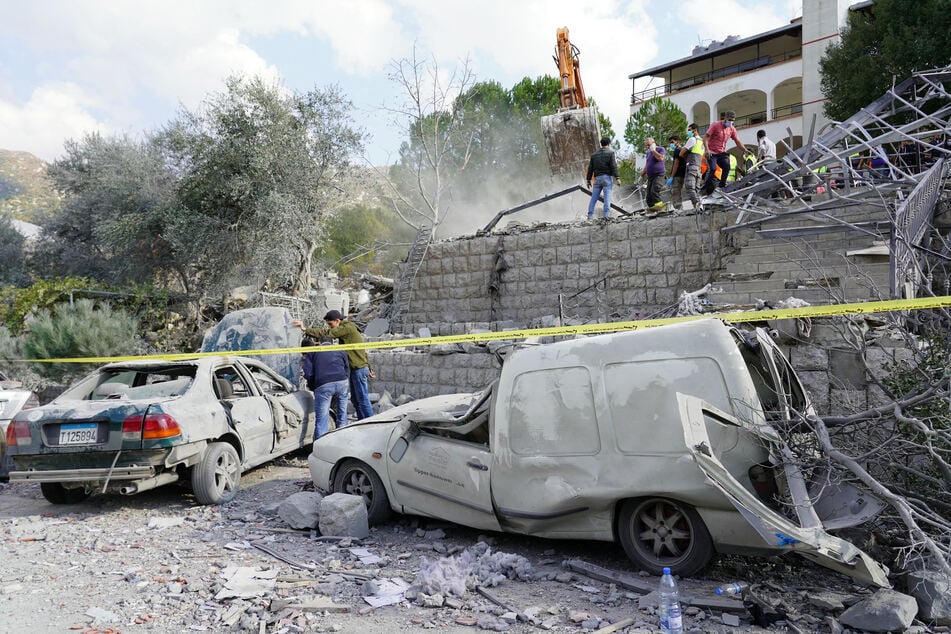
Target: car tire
215,480
658,533
357,478
56,493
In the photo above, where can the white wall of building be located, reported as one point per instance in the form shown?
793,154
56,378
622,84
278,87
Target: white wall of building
821,24
822,20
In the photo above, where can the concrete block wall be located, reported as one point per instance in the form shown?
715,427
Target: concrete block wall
832,373
421,373
642,265
645,264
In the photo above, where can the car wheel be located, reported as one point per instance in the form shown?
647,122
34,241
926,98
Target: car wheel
356,478
658,533
56,493
215,480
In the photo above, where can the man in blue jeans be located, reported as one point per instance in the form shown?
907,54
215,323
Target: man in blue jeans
328,375
360,371
602,176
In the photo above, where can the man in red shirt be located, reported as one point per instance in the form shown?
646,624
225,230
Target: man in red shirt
715,140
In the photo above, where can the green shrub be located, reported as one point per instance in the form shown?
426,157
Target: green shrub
84,329
19,303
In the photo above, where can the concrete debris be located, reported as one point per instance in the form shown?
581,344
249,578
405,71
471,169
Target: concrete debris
98,615
692,303
932,590
245,582
826,600
385,591
161,523
301,510
366,557
884,611
492,624
228,568
446,348
308,604
344,515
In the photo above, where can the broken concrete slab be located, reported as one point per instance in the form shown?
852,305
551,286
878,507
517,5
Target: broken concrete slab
344,515
377,328
301,510
932,590
245,582
884,611
313,603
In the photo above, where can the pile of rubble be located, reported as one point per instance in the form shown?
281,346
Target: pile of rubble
159,562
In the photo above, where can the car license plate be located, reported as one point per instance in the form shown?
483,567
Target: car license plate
78,434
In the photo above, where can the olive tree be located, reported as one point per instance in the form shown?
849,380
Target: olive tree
258,170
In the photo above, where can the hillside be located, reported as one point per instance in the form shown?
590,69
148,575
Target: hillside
25,189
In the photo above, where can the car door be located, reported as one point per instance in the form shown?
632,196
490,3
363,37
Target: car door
292,409
444,477
250,412
810,541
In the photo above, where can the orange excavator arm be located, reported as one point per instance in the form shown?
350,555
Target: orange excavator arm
571,92
573,132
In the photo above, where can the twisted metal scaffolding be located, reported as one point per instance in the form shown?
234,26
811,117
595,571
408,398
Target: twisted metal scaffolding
891,155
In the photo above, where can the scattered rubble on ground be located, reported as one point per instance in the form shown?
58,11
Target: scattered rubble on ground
159,563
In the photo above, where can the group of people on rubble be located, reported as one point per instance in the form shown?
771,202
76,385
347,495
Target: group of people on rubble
699,165
336,375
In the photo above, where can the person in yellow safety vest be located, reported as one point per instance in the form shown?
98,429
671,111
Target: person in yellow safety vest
749,162
731,175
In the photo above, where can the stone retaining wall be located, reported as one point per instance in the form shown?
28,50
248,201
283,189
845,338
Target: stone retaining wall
578,273
623,268
831,372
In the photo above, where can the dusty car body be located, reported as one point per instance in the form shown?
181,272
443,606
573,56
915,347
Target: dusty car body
662,439
132,426
13,398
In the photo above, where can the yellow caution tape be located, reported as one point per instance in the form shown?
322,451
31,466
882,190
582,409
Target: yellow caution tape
832,310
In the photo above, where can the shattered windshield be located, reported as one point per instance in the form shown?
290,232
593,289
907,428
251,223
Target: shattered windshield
120,383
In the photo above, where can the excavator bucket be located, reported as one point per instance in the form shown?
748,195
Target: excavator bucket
570,138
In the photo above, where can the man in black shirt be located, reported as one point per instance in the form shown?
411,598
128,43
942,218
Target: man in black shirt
602,169
677,172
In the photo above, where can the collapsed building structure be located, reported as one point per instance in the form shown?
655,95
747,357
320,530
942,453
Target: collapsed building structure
857,213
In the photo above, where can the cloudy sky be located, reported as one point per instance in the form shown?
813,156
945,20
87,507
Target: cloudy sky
68,67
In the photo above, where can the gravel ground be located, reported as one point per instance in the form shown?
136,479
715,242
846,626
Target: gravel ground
158,562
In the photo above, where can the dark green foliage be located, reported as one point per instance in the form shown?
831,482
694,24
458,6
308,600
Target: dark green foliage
882,46
226,195
18,304
258,169
484,147
365,238
607,130
658,118
118,194
627,168
13,267
84,329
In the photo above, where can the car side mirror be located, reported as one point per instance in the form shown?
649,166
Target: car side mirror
402,443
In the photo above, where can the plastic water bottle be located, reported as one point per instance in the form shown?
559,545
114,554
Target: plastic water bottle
732,589
671,620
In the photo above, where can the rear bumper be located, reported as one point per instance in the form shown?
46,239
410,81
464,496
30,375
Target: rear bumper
84,475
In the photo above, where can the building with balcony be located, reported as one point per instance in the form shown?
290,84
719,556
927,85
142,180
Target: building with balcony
771,80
